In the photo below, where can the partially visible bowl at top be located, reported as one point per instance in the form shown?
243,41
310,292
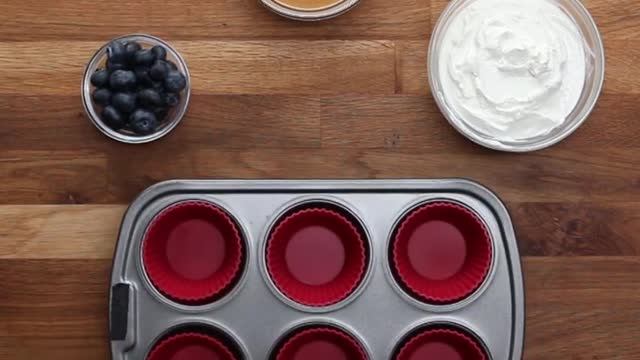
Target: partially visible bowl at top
463,121
168,110
310,10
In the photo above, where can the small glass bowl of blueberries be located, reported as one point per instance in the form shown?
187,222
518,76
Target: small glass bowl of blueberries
136,89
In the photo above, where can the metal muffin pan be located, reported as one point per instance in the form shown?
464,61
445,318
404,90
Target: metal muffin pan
256,315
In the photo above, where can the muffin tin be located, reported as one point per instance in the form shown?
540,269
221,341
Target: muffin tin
324,269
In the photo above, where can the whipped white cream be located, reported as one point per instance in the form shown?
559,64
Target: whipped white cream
512,69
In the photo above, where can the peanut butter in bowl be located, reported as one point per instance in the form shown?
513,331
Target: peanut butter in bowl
309,5
309,10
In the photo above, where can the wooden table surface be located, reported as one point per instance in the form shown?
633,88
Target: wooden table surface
273,98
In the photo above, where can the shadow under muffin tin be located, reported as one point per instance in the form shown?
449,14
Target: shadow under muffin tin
288,270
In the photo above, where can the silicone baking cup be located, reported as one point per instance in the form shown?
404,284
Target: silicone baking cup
191,346
193,252
320,343
441,344
441,253
316,256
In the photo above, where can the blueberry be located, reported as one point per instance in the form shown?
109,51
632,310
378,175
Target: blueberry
130,49
144,57
124,102
116,52
142,75
113,118
160,52
149,98
102,96
161,113
100,78
157,86
122,80
171,99
143,122
175,82
159,70
114,66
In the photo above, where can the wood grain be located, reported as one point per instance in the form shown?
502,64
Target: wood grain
274,98
218,67
228,19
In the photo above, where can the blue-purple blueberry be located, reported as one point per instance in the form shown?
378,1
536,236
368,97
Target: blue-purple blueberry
113,118
124,102
115,66
102,96
171,99
116,52
159,70
143,122
122,80
161,113
100,78
142,76
175,82
150,98
160,52
144,57
130,50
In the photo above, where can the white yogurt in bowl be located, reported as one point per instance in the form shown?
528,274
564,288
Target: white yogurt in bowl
516,75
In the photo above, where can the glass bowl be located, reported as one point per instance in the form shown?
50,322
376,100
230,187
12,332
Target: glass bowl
595,71
175,114
321,12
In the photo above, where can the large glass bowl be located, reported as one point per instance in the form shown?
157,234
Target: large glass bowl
595,70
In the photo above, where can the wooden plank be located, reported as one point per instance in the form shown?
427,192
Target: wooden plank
617,19
54,308
579,308
212,121
412,68
59,232
577,229
546,176
43,177
560,174
223,122
415,123
576,307
58,346
26,20
217,67
543,229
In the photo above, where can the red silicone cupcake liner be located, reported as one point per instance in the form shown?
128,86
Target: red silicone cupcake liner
191,346
321,343
316,257
441,253
442,344
193,252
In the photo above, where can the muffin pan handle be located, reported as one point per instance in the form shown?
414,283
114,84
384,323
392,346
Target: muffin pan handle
122,313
